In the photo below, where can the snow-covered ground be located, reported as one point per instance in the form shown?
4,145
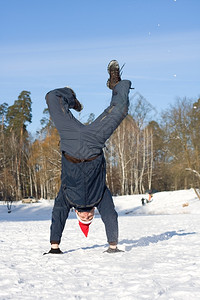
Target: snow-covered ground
161,259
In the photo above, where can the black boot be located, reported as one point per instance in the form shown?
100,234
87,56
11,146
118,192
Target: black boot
78,106
114,72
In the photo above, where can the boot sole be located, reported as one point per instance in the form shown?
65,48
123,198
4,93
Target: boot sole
113,66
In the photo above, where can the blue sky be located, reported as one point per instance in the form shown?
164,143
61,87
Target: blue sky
48,44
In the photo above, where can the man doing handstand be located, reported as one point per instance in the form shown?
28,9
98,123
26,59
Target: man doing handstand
83,175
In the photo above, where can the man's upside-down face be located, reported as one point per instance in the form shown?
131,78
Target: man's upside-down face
86,216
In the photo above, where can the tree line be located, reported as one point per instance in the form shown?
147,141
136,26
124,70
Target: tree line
142,154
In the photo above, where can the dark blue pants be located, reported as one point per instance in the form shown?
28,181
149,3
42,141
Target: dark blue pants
85,141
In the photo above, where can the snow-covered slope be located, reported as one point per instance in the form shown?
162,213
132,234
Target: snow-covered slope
176,202
161,259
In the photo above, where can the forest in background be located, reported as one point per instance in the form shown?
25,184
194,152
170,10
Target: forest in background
142,154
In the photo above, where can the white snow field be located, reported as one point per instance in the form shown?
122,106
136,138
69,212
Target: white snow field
161,259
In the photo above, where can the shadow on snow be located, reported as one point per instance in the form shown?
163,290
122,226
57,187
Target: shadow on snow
147,240
142,242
